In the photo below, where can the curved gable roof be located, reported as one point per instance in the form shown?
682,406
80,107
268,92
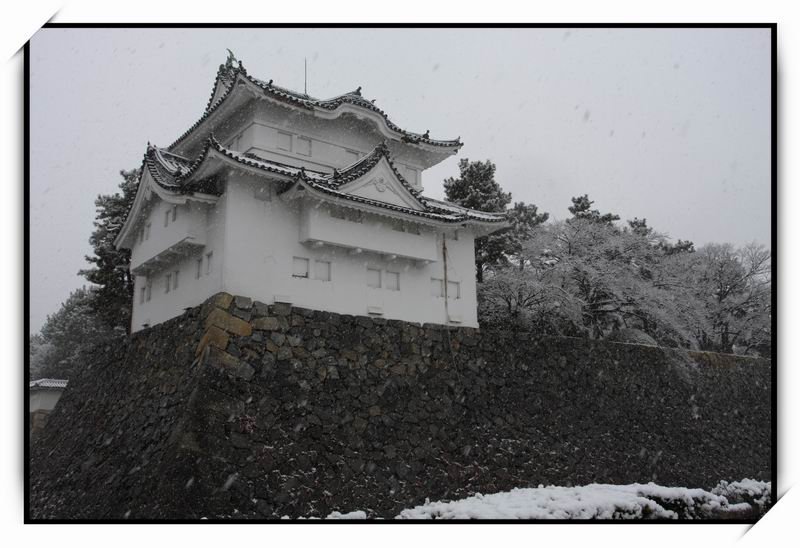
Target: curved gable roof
233,71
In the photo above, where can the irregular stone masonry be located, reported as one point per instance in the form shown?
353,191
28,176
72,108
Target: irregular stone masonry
240,409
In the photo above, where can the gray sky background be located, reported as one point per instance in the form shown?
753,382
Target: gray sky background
668,124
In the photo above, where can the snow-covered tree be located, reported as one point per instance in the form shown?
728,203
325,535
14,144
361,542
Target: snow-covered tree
734,286
60,348
39,352
590,278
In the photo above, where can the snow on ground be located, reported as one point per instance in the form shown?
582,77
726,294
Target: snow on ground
596,501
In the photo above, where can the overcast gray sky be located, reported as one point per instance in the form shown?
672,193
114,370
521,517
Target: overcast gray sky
668,124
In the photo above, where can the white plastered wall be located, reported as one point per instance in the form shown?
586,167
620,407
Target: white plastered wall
262,237
191,291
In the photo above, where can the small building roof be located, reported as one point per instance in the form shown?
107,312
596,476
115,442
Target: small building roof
47,384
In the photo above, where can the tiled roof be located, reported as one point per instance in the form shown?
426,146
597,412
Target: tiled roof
175,173
48,383
226,77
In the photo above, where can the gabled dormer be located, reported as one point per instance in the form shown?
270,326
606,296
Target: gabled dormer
376,178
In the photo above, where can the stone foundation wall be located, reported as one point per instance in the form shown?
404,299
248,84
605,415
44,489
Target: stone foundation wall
239,409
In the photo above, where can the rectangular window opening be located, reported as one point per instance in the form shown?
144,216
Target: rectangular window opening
393,281
322,270
437,287
167,286
174,213
284,141
453,290
209,256
299,267
175,279
263,193
352,156
199,271
374,277
304,146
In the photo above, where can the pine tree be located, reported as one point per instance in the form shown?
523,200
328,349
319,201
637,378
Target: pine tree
111,301
639,226
476,188
581,209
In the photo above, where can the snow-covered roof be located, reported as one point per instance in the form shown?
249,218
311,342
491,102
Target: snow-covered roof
177,174
231,72
43,384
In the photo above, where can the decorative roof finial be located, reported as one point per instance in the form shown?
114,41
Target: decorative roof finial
270,82
357,91
231,58
427,134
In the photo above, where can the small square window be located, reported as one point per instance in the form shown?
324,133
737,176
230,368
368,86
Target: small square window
263,193
300,267
322,270
284,141
437,287
304,146
352,156
411,176
374,277
393,281
453,290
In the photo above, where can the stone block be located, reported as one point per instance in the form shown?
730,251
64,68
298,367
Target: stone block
245,303
213,336
229,323
222,300
268,323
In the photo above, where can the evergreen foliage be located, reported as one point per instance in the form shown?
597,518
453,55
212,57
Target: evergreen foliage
110,273
476,188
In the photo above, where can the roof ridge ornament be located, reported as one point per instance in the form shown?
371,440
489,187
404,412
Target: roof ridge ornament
231,59
357,91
